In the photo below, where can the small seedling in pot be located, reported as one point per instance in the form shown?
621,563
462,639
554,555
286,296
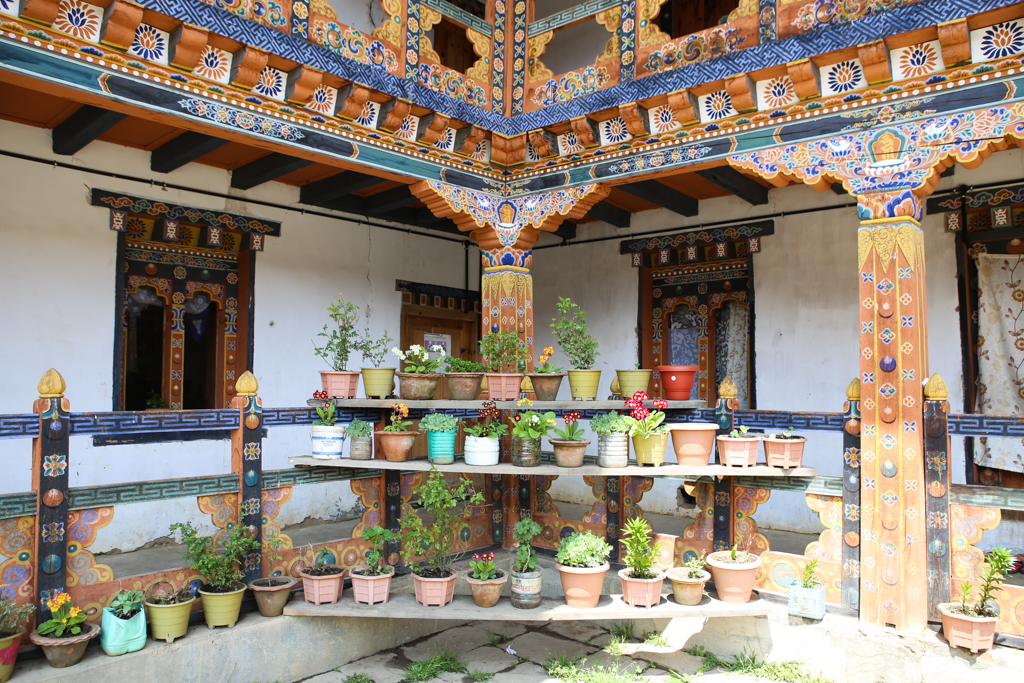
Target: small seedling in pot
695,566
809,580
740,432
789,434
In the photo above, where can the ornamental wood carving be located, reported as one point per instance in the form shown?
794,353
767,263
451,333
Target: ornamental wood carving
684,106
544,143
955,40
392,114
43,11
122,20
467,139
804,74
247,65
302,82
741,89
586,131
351,99
874,57
635,117
431,127
186,46
508,151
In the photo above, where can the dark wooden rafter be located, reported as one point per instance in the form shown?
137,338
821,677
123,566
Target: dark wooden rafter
738,184
182,150
566,231
82,127
662,195
389,200
322,192
265,169
609,213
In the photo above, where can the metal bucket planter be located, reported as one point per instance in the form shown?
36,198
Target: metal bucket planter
416,387
463,386
641,592
272,594
526,587
569,453
632,381
486,593
546,385
807,602
370,590
584,383
221,609
685,590
612,450
378,382
119,636
9,653
437,592
525,452
328,441
62,652
361,448
339,384
650,450
441,447
167,622
482,451
397,445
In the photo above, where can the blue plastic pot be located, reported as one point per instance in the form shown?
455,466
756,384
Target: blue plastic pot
441,447
806,602
120,636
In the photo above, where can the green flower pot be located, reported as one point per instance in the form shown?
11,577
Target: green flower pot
441,447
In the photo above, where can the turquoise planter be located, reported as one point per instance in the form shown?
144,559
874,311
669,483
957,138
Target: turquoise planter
806,602
441,447
120,636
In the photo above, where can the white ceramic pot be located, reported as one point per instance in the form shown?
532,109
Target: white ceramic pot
482,451
327,441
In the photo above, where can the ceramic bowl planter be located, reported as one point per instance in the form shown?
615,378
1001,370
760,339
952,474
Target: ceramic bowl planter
119,636
650,450
441,447
641,592
434,591
326,588
784,453
677,381
361,448
417,387
734,581
526,587
62,652
272,594
167,622
370,590
486,593
397,445
807,602
612,449
632,381
463,386
738,451
9,653
584,384
569,453
685,590
339,384
221,609
482,451
974,633
525,452
546,385
582,585
378,382
503,387
328,441
693,442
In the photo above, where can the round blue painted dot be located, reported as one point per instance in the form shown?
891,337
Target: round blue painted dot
52,564
887,364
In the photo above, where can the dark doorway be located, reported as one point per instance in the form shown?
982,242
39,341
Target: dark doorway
198,390
144,351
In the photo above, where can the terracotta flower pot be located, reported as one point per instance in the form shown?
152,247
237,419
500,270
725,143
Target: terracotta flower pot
370,590
167,622
784,452
486,593
613,449
463,386
693,442
685,590
546,385
632,381
582,585
650,450
733,581
569,453
738,451
434,591
973,633
526,587
504,387
584,383
397,445
417,387
641,592
321,589
272,594
361,448
378,382
677,381
339,384
221,609
9,653
62,652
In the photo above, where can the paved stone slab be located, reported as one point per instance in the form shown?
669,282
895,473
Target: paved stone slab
678,661
506,628
488,658
540,646
527,672
329,677
581,631
382,668
462,639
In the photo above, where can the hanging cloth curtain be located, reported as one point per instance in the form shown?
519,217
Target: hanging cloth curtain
1000,355
732,341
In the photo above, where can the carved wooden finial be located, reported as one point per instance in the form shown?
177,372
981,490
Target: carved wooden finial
526,385
615,388
246,385
935,389
51,385
853,390
727,389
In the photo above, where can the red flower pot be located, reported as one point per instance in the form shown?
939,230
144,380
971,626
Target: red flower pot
677,381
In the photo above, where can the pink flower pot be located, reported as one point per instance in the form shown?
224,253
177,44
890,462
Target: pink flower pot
582,585
321,589
434,591
339,384
641,592
734,581
693,442
370,590
738,451
973,633
503,387
784,452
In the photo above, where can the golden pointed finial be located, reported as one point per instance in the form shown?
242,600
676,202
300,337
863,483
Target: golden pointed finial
853,390
246,385
727,389
526,385
935,389
615,388
51,385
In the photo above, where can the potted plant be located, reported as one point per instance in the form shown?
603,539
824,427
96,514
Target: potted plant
483,440
546,378
582,561
378,382
441,430
65,634
168,612
360,436
322,580
633,380
526,578
677,380
688,581
641,582
219,561
612,432
570,447
124,624
785,449
272,592
12,618
734,573
527,431
570,328
434,579
338,343
974,626
807,594
650,436
463,377
504,358
327,436
485,580
419,380
396,439
737,449
693,442
371,582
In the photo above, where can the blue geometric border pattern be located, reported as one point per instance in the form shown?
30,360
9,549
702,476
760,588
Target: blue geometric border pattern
460,15
18,504
778,419
986,425
83,424
24,426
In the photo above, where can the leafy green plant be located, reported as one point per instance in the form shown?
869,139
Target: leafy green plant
741,556
319,562
491,425
498,638
343,338
739,432
154,401
503,352
417,359
480,676
573,429
695,566
789,434
378,538
481,567
998,563
359,678
642,421
809,580
546,367
358,429
623,630
444,659
608,423
523,533
220,561
398,424
453,364
532,425
636,539
438,540
126,604
439,422
12,615
374,350
65,618
656,639
576,671
327,417
583,549
175,597
572,334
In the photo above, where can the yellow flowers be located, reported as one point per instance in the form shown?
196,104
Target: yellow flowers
58,601
525,402
75,611
549,351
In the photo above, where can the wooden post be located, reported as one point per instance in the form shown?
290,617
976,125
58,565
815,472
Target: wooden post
725,416
497,518
50,482
392,480
936,482
613,495
247,463
851,497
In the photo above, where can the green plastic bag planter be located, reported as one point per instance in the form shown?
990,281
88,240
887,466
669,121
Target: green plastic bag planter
120,636
441,447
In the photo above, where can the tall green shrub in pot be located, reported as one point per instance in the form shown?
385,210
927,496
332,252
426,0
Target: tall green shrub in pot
219,561
641,581
580,346
337,344
505,356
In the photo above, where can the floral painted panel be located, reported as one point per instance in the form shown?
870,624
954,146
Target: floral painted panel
998,41
79,19
842,77
271,84
150,43
715,105
613,131
571,85
214,64
915,61
662,119
775,93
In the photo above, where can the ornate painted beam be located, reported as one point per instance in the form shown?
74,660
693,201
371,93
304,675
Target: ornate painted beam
322,192
662,195
265,169
82,127
182,150
736,183
609,213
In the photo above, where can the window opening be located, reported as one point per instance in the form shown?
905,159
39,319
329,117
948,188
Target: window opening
680,18
453,46
144,351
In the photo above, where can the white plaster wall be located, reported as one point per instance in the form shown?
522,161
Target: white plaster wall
364,15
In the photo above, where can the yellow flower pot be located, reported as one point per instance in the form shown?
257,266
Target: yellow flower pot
168,622
583,383
632,381
650,451
221,609
378,382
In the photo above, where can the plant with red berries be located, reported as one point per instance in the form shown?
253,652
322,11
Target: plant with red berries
644,422
573,430
482,567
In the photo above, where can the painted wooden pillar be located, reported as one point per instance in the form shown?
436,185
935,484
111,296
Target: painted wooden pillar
50,467
893,359
497,517
725,416
851,497
936,486
392,481
613,492
247,463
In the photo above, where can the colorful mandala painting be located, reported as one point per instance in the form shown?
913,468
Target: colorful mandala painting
998,41
842,77
323,99
918,60
214,64
79,19
270,84
407,131
775,93
568,143
715,106
663,120
150,43
614,131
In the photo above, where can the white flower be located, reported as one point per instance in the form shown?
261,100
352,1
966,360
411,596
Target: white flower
398,352
437,349
416,349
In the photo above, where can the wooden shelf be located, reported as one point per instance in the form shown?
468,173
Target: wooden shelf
666,470
462,608
503,405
